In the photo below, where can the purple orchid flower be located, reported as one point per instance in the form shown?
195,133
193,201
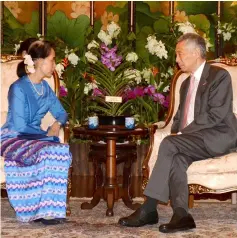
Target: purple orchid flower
158,97
62,91
128,95
167,102
97,92
103,48
139,91
109,57
150,90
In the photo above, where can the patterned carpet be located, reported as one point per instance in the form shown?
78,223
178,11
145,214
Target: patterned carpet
212,220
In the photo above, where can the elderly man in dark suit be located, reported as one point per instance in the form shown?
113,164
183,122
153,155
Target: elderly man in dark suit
203,127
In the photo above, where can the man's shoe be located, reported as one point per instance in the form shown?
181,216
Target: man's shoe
140,218
178,224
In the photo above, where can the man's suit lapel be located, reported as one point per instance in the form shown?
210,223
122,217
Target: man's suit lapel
201,88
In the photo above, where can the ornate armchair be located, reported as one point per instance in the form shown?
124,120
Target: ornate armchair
218,175
8,76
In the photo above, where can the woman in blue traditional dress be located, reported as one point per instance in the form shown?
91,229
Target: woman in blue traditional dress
36,164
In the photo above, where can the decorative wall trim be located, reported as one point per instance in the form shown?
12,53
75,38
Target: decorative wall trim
132,16
1,12
43,18
219,40
171,10
92,8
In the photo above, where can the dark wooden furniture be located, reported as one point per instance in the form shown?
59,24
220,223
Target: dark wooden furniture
110,189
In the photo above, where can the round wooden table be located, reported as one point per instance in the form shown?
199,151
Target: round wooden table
110,134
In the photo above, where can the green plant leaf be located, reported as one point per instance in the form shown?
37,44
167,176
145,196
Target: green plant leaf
201,22
32,28
197,7
161,26
71,31
11,20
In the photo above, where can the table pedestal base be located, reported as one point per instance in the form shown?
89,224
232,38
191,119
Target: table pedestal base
109,196
111,154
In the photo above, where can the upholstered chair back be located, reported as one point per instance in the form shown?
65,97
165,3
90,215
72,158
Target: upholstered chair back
233,72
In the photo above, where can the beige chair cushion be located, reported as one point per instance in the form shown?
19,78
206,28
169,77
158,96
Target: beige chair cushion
222,164
2,173
218,173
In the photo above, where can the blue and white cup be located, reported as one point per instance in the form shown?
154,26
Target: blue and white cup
93,122
129,122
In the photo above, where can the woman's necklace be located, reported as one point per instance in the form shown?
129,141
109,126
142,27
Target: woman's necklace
42,89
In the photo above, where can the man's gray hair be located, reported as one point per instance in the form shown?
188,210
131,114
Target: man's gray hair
197,40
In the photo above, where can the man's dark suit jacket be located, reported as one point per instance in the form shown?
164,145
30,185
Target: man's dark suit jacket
213,111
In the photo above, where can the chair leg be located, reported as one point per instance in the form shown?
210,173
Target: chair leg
234,198
69,190
190,201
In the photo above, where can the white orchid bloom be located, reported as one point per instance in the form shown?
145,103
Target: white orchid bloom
91,57
59,69
166,89
93,44
73,58
129,73
89,87
133,74
16,48
132,57
66,51
146,74
105,38
186,27
226,36
156,48
113,29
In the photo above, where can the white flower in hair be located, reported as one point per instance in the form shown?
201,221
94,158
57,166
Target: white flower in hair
29,63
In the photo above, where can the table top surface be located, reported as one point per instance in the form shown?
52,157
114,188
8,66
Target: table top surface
110,131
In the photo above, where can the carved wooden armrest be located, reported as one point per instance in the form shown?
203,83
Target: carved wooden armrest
160,124
66,133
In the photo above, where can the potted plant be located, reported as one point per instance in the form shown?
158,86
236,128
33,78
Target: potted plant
111,58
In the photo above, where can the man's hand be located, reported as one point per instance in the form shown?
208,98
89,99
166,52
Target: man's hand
54,129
